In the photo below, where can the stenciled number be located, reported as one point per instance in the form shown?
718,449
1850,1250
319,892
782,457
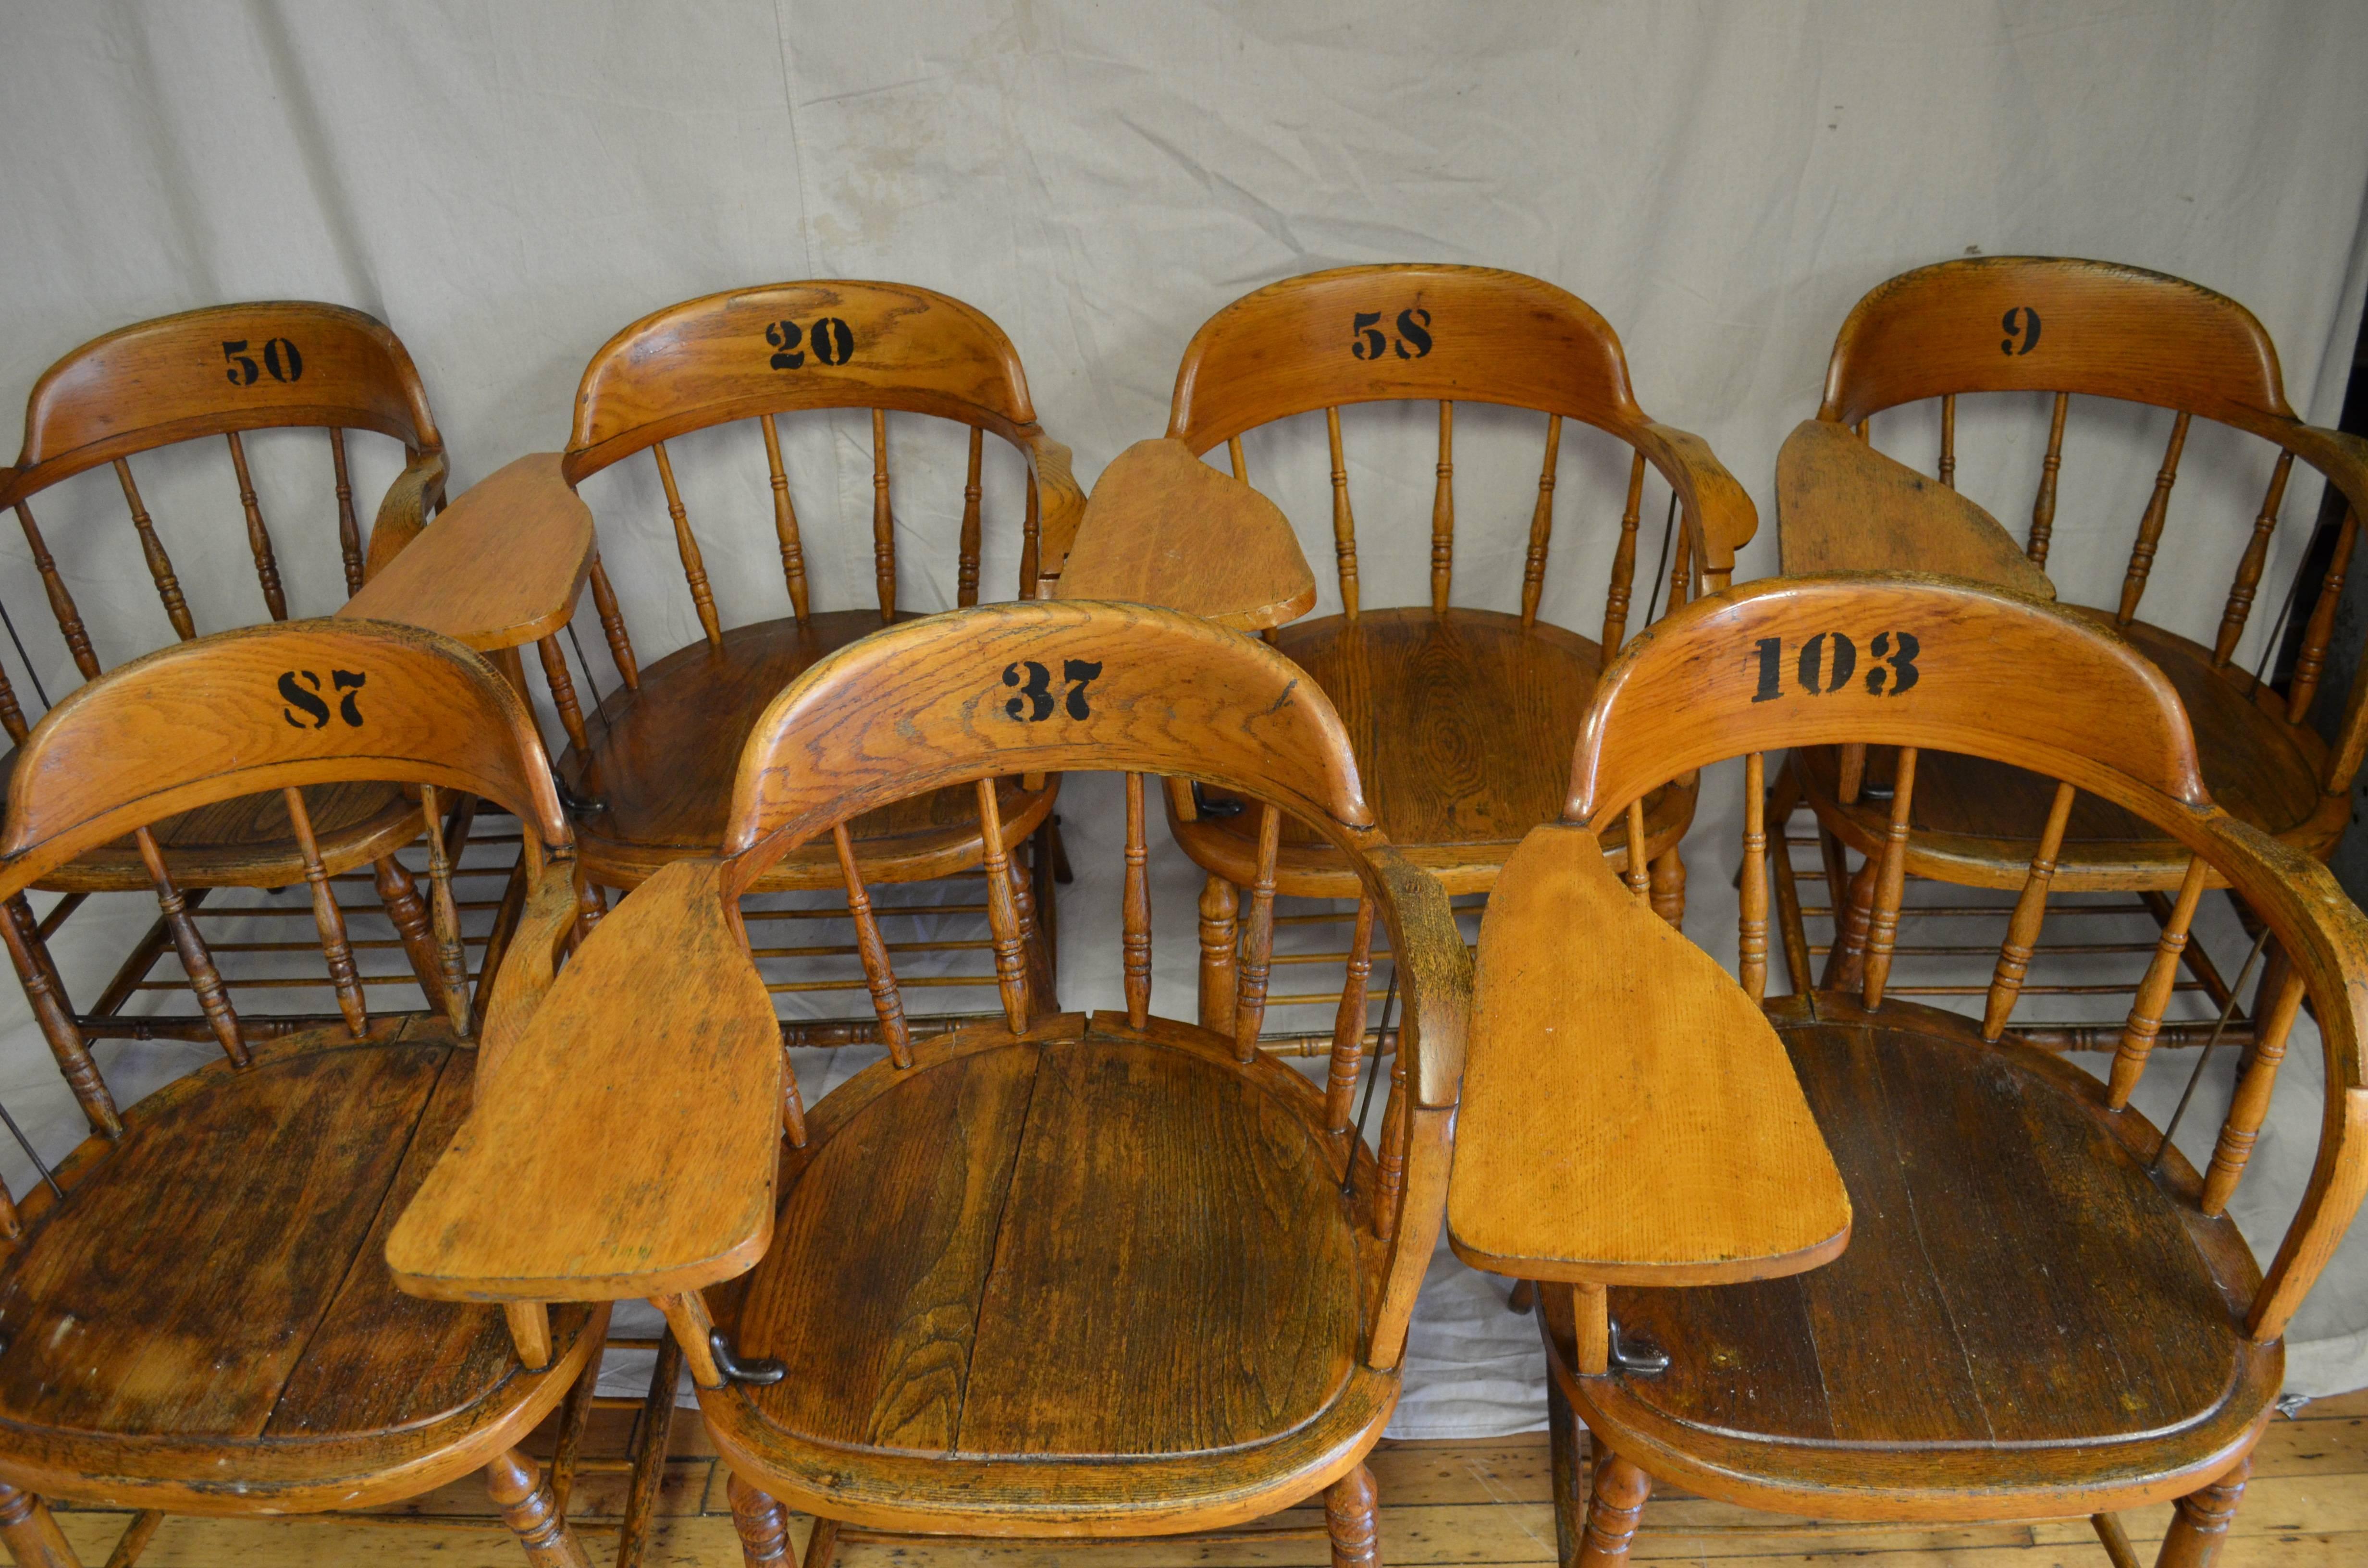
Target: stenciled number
1413,340
1035,703
831,340
1826,663
314,707
2021,325
279,358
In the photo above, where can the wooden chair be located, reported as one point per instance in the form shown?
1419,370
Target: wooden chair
650,775
1460,716
1050,1275
2023,325
2044,1309
229,371
196,1312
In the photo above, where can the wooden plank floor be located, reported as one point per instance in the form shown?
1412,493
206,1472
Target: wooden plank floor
1484,1501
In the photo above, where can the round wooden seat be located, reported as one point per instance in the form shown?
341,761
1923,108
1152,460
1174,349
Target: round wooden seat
663,758
208,1315
1066,1279
1463,725
1977,822
249,842
2016,1284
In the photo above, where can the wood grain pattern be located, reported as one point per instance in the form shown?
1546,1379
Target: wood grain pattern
523,516
1843,506
1164,528
1628,1116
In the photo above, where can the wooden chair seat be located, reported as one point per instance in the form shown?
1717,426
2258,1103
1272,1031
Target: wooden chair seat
208,1315
2015,1285
1977,822
1462,724
248,842
663,758
1085,1279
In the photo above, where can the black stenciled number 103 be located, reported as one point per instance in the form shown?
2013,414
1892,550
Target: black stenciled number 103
1826,663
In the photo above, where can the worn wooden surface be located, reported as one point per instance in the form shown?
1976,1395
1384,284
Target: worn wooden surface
1164,528
500,567
1482,1500
1843,506
1628,1116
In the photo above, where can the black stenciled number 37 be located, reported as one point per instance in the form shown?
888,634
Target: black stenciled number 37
831,340
316,708
1413,340
1034,704
1828,660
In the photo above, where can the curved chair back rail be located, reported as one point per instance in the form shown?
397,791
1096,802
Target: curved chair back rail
1922,663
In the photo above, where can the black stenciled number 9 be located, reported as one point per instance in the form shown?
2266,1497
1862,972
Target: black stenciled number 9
1034,703
1897,672
832,340
784,337
2021,325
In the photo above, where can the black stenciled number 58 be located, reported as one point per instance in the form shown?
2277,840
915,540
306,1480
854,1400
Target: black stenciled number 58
1413,340
1035,703
302,688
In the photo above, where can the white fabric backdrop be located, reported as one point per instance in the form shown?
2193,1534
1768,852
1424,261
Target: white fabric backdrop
506,185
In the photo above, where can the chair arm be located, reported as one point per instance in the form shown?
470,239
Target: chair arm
529,964
1629,1117
500,567
402,511
1061,507
1843,506
1716,505
1163,527
628,1143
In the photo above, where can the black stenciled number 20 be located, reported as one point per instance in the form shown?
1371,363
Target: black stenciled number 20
2021,325
1413,340
314,708
831,341
1035,703
1827,661
281,359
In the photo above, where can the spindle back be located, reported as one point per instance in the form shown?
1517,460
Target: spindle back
1456,334
1923,661
221,371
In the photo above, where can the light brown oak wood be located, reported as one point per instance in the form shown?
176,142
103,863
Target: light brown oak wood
1843,506
523,518
1164,528
1629,1117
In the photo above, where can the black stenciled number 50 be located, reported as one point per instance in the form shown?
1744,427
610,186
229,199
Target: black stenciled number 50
2021,325
1827,661
294,685
1035,703
1413,340
280,358
831,341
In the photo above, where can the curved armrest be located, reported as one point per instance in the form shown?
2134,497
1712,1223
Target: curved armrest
1062,507
1164,528
1712,500
1843,506
1629,1116
416,491
529,965
627,1144
500,567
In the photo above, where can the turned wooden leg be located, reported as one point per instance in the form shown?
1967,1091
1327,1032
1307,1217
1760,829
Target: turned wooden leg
1620,1489
403,905
762,1525
575,1415
1668,875
1348,1520
518,1489
1846,963
30,1534
2200,1523
1524,1296
1218,935
1566,1438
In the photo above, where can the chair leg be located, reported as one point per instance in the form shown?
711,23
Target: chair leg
30,1534
1348,1520
2200,1525
1846,962
650,1443
400,895
1620,1489
575,1413
1219,935
135,1537
1565,1434
762,1525
518,1489
1668,873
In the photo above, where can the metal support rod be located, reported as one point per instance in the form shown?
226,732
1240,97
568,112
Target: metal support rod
2228,1010
1389,1000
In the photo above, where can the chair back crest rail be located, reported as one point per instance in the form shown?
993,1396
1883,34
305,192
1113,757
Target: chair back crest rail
1916,662
2066,326
225,370
1454,334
